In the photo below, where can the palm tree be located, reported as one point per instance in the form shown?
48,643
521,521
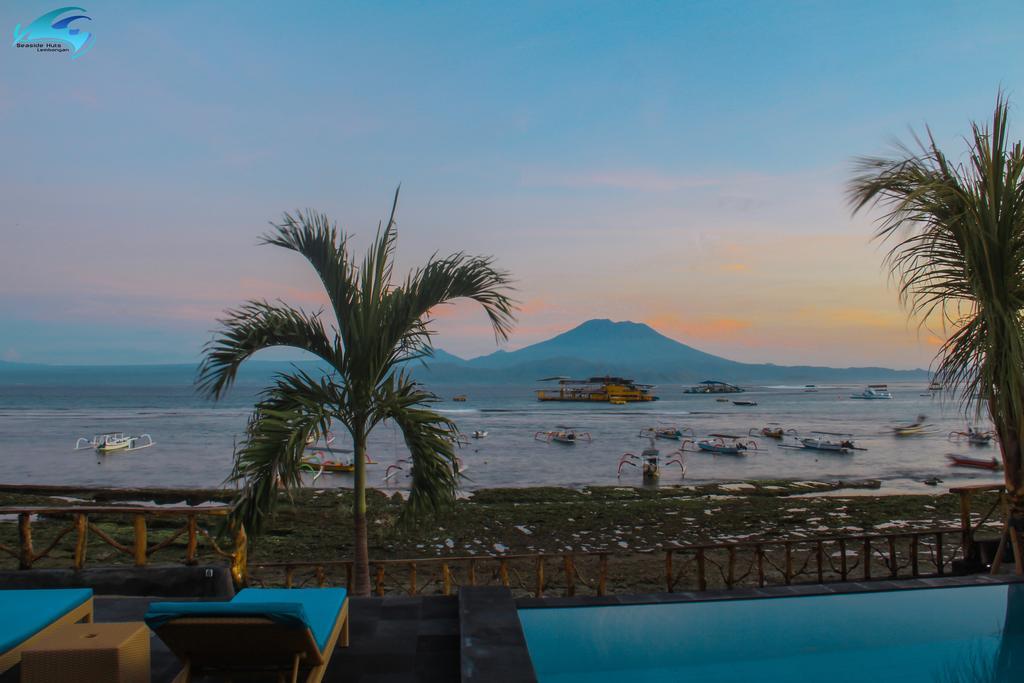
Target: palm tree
957,251
378,327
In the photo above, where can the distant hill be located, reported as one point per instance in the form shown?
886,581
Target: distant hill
604,347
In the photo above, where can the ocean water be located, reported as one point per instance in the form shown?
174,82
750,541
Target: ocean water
973,634
41,418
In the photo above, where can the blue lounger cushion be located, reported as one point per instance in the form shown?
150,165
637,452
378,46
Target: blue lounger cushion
313,608
27,612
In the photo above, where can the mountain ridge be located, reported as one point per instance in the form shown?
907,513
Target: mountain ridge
604,347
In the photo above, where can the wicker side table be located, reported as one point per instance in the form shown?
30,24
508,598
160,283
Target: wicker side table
89,653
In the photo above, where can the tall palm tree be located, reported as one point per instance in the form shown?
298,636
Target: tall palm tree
378,326
957,251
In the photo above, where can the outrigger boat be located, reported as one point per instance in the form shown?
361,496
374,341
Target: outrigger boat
649,464
834,442
976,463
392,471
461,398
744,403
975,437
913,429
115,441
723,444
874,392
671,432
317,462
771,432
480,434
565,436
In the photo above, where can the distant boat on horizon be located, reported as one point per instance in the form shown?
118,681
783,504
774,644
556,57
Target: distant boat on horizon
874,392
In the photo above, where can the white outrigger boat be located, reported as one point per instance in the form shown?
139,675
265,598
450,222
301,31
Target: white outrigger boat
568,436
874,392
667,432
829,441
115,441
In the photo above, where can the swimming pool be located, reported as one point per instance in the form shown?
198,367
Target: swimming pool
938,635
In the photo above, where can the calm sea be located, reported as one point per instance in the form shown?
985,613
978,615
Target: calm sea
41,418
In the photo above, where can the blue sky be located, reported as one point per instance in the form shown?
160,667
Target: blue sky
680,163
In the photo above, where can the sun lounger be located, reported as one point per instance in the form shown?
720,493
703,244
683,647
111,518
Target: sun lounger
276,629
27,615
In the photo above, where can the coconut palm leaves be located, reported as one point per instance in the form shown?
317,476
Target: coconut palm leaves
957,251
378,326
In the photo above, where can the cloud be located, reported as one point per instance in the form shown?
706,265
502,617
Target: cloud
704,329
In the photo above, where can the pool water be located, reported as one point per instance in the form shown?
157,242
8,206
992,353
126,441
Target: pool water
941,635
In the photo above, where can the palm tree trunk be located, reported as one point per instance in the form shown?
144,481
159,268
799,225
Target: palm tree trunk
362,551
1009,429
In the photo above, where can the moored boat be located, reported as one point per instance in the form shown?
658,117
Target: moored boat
112,442
722,444
565,436
608,389
711,386
874,392
976,463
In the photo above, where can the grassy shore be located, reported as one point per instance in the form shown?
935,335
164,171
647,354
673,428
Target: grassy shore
317,524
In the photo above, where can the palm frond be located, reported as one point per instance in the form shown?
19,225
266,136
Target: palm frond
269,459
254,326
428,436
315,237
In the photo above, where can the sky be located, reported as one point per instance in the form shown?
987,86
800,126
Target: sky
681,164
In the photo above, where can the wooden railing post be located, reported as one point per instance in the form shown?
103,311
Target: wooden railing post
759,550
412,578
914,570
81,540
380,580
965,522
702,579
893,566
503,571
25,534
668,571
240,557
842,559
471,572
867,559
939,562
139,522
731,575
539,590
789,563
819,552
446,578
193,540
570,576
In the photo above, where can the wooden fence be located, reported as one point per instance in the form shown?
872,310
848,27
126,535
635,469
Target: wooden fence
909,554
82,524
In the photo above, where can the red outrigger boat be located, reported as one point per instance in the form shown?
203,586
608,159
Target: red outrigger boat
977,463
